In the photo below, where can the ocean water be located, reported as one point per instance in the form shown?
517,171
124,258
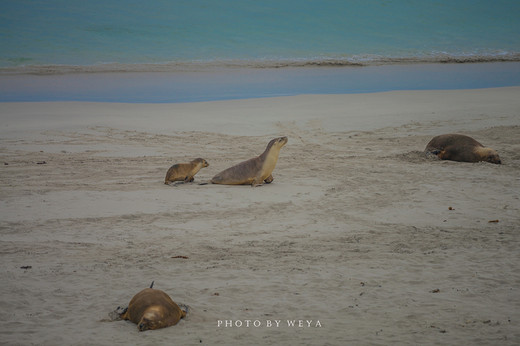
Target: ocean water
259,32
54,37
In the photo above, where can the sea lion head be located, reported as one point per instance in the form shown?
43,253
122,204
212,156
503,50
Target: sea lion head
277,142
152,319
487,155
491,156
204,162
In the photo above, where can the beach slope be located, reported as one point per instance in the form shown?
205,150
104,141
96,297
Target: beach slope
361,237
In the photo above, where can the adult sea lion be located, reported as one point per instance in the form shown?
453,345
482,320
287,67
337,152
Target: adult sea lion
152,309
254,171
461,148
185,171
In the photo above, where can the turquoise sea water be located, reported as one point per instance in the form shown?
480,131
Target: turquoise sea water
72,32
53,37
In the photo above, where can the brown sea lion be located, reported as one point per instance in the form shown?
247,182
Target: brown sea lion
254,171
461,148
184,171
152,309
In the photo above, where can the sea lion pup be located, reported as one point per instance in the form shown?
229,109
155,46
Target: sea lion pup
184,171
254,171
152,309
461,148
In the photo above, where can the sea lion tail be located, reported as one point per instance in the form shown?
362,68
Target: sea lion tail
151,286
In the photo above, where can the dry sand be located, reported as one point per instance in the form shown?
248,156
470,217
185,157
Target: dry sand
359,232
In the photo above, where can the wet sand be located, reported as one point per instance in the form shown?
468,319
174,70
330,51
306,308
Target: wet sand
207,82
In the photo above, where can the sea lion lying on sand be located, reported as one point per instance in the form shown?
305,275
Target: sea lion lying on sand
461,148
184,171
152,309
254,171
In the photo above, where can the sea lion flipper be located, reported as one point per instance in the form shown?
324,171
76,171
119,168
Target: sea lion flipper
115,315
257,182
442,154
184,309
269,179
119,314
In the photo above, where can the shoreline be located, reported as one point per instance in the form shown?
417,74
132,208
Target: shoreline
243,83
208,66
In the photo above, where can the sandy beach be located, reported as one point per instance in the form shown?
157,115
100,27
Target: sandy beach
361,237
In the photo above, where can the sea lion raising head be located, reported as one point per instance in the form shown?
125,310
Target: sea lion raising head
254,171
184,171
152,309
461,148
